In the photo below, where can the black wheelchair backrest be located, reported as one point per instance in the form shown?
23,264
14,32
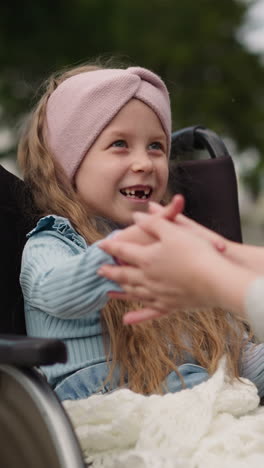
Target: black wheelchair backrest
15,222
209,185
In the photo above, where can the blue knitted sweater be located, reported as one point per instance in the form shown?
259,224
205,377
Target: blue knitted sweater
63,294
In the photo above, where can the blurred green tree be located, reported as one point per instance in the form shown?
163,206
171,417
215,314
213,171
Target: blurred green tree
193,44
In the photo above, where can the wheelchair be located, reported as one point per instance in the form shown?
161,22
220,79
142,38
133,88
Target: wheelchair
35,430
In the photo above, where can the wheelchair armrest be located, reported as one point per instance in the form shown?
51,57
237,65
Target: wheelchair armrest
25,351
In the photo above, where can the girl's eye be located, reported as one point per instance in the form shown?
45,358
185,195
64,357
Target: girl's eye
119,144
156,145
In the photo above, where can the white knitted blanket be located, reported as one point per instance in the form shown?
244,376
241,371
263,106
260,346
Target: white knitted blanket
214,425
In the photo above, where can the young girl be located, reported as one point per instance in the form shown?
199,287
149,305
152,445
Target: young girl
94,151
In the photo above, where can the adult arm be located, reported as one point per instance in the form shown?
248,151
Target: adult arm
249,256
179,270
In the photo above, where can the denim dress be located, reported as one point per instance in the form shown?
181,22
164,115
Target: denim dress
91,380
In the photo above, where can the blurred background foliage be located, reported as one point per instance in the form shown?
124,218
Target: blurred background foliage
214,79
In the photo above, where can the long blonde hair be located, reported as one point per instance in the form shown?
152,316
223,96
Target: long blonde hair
145,353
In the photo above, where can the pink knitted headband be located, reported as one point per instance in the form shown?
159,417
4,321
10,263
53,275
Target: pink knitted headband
83,105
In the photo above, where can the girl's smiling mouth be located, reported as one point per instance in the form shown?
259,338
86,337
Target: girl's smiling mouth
137,192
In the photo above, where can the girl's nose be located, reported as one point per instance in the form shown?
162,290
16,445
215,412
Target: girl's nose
142,162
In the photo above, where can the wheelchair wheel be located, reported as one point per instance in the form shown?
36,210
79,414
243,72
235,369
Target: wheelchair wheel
35,431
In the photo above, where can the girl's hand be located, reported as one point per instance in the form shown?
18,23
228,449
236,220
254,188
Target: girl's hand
169,211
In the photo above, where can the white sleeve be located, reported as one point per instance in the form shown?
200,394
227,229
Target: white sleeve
254,305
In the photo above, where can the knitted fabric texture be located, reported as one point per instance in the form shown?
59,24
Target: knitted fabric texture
83,105
216,424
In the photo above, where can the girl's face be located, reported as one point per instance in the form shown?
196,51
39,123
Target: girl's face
127,166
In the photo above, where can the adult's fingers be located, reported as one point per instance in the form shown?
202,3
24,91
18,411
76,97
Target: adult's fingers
219,242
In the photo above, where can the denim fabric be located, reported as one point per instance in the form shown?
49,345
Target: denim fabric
86,382
90,380
252,365
192,375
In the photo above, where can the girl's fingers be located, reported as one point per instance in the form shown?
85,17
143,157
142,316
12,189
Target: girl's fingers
155,208
123,296
140,292
124,251
146,298
175,207
137,316
169,212
137,292
178,203
154,225
123,274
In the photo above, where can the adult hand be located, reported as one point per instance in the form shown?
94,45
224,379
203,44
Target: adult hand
173,212
247,256
171,272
